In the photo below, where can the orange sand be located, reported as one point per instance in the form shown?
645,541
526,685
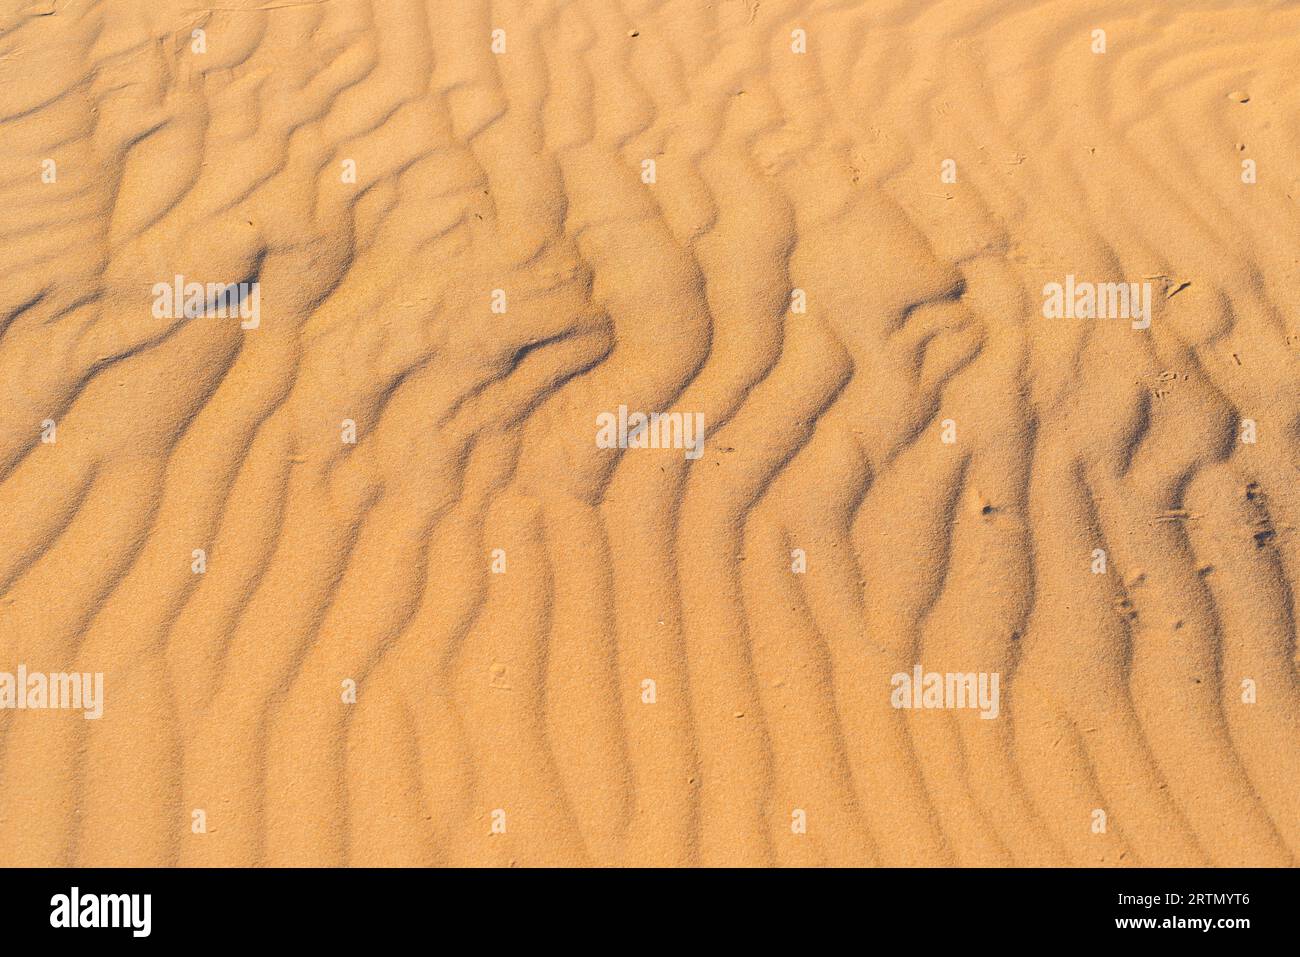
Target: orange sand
502,717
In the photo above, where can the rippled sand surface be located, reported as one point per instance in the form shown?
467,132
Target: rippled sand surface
363,585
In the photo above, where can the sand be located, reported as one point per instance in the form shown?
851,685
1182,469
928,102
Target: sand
380,565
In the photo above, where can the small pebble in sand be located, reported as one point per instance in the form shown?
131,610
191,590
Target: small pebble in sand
1239,96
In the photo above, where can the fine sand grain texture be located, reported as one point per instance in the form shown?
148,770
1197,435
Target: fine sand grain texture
365,588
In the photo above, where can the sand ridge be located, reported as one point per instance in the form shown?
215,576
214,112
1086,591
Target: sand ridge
463,261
